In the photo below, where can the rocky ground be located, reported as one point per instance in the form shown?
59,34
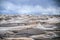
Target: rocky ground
29,27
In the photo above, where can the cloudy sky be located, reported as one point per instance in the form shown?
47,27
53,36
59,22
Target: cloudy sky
36,7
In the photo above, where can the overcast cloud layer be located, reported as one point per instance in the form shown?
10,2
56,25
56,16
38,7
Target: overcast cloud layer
45,7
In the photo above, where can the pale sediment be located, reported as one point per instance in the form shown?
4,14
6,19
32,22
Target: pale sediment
31,27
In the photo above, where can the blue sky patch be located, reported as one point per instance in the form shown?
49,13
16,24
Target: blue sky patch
42,7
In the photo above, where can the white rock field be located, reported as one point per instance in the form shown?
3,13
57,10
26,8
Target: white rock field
32,26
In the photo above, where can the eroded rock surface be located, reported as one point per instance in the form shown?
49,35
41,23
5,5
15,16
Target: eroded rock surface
34,27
